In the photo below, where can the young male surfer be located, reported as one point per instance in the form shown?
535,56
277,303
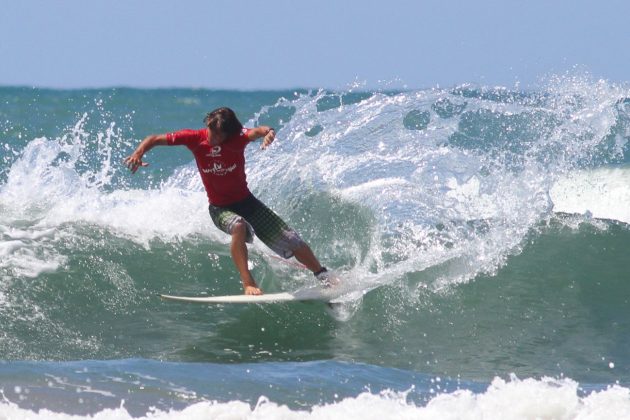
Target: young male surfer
219,150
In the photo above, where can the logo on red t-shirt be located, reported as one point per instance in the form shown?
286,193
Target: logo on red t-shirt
218,168
214,152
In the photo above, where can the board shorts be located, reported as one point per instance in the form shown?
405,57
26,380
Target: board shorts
261,222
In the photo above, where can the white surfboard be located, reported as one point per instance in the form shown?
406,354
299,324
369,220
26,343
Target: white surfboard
268,298
309,294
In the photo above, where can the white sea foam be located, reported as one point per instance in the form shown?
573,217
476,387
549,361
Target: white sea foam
601,193
506,400
28,252
49,187
46,193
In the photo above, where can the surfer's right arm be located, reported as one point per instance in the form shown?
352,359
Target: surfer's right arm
134,161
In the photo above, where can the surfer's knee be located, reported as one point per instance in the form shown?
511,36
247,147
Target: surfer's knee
239,230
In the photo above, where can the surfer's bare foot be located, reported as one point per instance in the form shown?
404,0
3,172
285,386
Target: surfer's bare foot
327,278
331,282
253,290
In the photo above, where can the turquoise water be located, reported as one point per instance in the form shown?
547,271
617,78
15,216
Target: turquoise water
483,232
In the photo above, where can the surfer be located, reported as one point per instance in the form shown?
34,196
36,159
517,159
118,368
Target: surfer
219,151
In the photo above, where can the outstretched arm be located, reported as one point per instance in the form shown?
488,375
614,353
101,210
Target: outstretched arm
268,133
134,161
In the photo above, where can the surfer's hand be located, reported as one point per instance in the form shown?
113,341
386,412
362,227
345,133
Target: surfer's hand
269,138
253,290
134,162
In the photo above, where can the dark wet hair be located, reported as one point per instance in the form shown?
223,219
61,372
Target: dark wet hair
223,120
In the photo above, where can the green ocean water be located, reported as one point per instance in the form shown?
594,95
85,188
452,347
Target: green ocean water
484,231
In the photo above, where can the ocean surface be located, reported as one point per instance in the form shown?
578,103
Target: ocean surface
483,233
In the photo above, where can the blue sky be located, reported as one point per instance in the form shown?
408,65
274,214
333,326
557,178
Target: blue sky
256,44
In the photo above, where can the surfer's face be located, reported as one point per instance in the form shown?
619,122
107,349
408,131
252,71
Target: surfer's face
217,137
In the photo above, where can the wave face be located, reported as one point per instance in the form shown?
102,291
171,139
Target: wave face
483,230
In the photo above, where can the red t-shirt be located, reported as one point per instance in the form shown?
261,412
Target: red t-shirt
222,168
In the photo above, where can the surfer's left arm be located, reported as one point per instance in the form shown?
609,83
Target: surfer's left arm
268,134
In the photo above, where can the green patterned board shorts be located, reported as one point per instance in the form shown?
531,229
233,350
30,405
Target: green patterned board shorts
261,221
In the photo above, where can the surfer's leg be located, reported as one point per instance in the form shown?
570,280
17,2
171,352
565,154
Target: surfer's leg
305,255
276,234
241,232
238,249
